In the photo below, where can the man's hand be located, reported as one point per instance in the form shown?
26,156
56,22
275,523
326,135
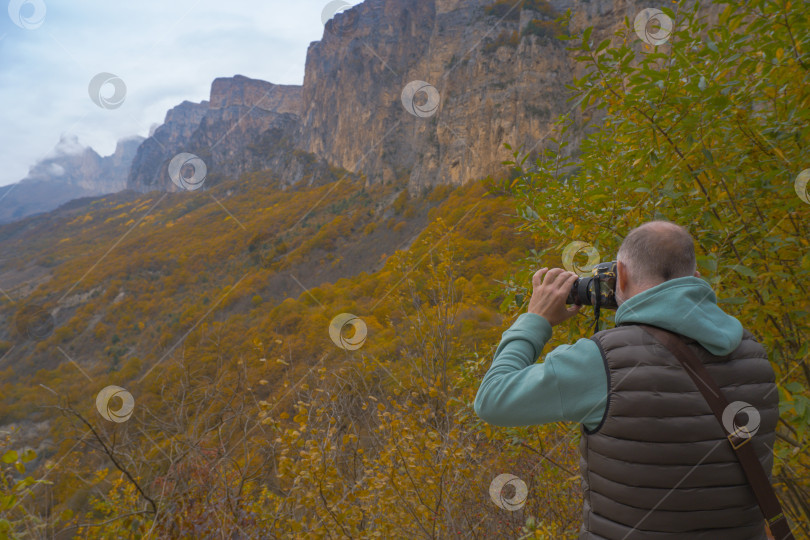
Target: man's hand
549,295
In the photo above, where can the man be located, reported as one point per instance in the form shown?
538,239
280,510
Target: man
655,460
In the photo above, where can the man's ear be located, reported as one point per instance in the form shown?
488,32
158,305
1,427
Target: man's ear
697,274
621,275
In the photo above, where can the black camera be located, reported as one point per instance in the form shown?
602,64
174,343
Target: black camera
598,290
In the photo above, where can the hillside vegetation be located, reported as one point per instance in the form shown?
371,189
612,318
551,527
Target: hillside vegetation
213,310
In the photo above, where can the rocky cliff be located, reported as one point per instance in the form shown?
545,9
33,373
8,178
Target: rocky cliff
495,84
426,92
70,171
499,74
246,125
149,166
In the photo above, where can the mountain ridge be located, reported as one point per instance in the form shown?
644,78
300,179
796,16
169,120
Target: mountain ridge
70,171
495,70
349,112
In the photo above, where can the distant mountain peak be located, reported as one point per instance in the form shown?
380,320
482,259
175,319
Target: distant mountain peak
70,170
68,145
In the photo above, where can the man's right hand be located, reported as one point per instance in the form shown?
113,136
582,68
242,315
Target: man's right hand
549,295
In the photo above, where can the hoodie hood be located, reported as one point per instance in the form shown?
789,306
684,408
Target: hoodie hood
688,306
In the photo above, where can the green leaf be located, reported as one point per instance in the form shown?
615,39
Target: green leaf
586,35
10,457
6,502
603,45
744,270
669,12
800,404
734,300
708,262
708,155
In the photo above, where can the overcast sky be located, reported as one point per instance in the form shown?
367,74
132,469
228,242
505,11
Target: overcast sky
163,52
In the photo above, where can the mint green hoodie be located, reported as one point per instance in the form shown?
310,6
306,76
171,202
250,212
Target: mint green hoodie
571,384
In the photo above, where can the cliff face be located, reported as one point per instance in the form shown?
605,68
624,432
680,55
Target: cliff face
149,166
500,75
115,167
493,87
69,172
497,75
246,125
241,91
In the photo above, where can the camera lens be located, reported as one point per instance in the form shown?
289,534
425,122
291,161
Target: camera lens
582,292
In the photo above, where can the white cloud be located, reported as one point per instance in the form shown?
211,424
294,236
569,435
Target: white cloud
68,145
165,52
56,170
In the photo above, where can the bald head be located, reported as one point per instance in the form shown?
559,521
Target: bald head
657,251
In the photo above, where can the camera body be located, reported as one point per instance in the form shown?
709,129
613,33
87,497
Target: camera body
598,290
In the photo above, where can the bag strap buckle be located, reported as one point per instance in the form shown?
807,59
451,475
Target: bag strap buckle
778,517
736,436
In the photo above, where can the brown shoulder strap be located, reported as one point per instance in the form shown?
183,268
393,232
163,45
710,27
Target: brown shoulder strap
754,471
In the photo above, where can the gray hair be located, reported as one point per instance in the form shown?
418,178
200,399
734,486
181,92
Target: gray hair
658,251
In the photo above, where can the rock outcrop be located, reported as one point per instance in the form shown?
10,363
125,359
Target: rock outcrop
246,125
149,166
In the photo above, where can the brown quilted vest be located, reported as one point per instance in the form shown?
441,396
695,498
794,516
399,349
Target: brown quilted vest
659,465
